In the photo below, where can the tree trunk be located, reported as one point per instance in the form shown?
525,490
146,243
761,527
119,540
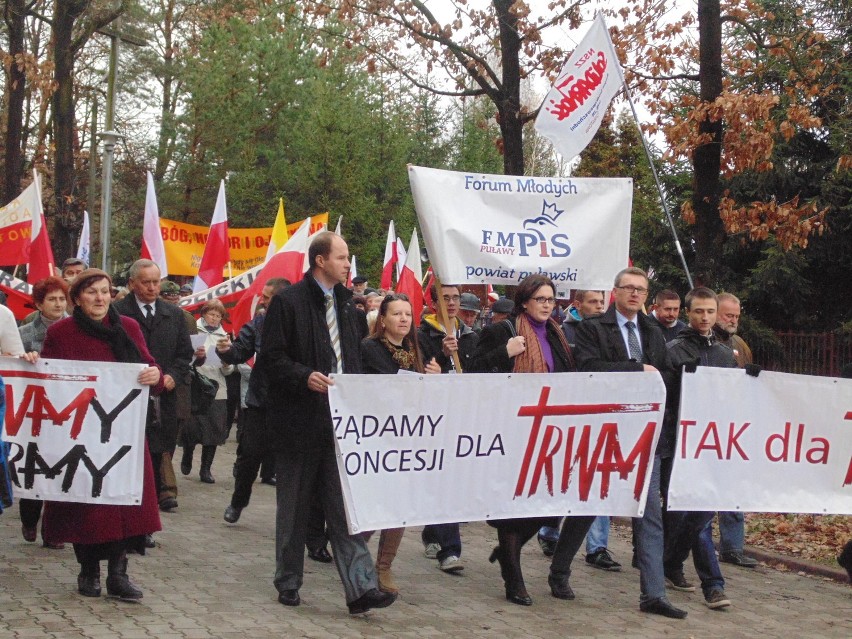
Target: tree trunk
509,104
165,141
709,233
69,213
15,15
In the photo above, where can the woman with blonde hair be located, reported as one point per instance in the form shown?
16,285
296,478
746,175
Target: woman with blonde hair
391,347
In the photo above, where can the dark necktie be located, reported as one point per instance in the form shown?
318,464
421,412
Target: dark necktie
633,342
149,313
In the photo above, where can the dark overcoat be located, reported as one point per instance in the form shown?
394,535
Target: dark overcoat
168,341
295,343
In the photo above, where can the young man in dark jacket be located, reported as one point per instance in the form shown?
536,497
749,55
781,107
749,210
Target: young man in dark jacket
311,331
696,345
443,541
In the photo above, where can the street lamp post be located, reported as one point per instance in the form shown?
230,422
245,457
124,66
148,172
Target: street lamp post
109,138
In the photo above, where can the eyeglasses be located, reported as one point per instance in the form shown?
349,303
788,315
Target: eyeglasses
544,300
452,298
633,290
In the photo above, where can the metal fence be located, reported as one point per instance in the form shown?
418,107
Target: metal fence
805,353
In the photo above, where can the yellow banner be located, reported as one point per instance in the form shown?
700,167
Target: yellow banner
184,244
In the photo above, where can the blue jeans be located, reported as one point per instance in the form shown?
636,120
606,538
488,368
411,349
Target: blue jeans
447,536
685,531
598,537
648,533
731,532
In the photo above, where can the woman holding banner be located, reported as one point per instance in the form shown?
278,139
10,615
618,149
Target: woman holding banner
96,332
392,347
529,342
210,429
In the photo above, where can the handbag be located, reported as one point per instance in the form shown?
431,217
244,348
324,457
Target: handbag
202,392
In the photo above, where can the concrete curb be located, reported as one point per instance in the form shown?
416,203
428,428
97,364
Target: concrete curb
797,564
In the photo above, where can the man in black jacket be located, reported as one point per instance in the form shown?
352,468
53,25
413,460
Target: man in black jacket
167,337
610,342
666,313
311,331
696,345
443,541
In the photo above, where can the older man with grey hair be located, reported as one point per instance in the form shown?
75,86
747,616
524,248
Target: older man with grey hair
167,337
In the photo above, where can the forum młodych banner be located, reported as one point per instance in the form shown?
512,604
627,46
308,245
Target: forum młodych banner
498,229
773,443
76,430
419,449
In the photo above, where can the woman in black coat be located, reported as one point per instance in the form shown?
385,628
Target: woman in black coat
392,347
529,342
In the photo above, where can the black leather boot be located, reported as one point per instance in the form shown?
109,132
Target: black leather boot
207,455
89,579
118,583
186,460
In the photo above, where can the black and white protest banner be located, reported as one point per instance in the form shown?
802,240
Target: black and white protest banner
773,443
76,430
498,229
419,449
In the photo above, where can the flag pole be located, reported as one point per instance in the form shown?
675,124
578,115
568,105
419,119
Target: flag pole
657,181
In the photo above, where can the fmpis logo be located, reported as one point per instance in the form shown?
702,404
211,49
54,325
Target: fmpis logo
537,236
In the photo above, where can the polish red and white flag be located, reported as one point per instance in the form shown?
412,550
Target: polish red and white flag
411,278
287,263
353,272
217,251
391,258
40,260
152,237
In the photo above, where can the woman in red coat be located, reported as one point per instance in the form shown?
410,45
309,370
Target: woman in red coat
96,332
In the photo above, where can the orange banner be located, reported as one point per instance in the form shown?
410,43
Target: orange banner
184,244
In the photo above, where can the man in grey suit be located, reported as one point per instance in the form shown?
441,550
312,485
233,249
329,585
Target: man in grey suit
167,337
624,339
313,330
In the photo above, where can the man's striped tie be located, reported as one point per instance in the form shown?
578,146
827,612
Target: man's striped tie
333,332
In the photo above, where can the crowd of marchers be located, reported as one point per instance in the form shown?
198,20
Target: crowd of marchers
305,333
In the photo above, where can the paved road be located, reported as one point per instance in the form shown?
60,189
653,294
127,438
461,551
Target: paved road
210,579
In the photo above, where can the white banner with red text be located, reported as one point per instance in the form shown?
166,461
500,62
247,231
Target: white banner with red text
420,449
773,443
576,103
76,430
498,229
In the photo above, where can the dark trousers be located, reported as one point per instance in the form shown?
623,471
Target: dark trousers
253,454
302,479
574,530
30,510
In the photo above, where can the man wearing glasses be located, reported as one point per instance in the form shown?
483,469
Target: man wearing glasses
624,339
443,541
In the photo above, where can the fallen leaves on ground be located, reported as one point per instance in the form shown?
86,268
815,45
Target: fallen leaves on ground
816,537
